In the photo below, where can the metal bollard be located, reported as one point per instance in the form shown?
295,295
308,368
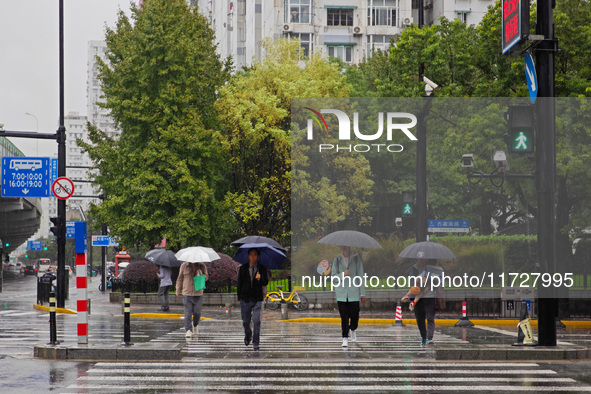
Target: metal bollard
52,320
284,310
126,320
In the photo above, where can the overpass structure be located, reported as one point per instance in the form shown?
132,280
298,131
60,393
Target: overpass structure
19,217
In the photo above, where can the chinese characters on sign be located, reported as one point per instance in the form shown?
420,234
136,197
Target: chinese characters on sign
448,226
515,22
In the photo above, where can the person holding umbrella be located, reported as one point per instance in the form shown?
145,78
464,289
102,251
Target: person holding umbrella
347,266
425,303
192,299
252,278
165,283
164,259
425,251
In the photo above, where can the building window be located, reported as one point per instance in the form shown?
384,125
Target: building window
462,16
298,11
305,41
343,52
377,42
339,17
381,13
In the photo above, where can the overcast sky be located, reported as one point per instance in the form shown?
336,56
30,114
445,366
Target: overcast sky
29,68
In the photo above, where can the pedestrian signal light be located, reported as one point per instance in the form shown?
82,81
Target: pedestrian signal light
56,225
521,128
407,209
408,201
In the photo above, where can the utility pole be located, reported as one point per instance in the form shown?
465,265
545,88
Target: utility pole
546,169
60,136
421,166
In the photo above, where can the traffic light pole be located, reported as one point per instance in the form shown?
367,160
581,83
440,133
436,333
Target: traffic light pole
546,170
61,171
421,165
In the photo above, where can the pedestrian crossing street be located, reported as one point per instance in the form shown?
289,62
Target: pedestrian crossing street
309,358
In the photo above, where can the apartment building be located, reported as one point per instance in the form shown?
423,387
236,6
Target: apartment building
346,29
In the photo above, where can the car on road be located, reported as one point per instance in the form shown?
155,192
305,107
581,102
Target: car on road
30,270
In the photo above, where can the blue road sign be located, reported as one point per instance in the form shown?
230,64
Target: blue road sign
53,175
70,229
34,245
448,226
103,240
81,241
531,77
26,177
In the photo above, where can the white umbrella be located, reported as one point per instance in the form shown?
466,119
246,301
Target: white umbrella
197,254
350,238
427,250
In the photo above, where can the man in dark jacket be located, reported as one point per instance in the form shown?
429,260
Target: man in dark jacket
252,277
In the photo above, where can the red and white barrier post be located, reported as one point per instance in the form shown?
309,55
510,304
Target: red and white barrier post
464,321
81,282
398,321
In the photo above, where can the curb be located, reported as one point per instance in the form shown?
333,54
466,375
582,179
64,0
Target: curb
57,310
443,322
509,353
144,351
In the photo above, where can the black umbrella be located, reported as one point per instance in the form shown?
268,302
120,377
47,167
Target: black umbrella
270,257
427,250
163,257
259,239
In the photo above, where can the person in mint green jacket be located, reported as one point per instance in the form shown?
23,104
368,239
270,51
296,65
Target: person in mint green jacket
348,267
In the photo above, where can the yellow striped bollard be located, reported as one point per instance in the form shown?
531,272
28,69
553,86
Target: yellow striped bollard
126,320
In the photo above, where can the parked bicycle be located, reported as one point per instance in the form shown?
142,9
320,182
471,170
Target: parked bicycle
297,301
108,281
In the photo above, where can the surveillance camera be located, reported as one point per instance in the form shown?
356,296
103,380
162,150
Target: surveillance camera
500,160
467,161
430,83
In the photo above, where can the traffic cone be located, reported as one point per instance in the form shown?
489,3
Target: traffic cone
525,336
464,321
398,322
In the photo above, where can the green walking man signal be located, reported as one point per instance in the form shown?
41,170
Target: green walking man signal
521,128
408,200
407,209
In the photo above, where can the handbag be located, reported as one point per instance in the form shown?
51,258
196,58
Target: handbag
440,294
199,282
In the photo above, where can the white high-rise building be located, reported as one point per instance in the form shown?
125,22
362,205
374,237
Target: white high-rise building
97,116
78,163
346,29
470,12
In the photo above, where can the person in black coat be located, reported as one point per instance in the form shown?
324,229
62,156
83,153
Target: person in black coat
252,278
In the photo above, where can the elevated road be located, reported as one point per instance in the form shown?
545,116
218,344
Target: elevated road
19,220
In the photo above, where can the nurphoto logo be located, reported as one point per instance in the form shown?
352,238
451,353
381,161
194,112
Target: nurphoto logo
395,122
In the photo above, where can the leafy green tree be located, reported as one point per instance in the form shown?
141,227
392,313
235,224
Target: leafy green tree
467,61
163,176
255,114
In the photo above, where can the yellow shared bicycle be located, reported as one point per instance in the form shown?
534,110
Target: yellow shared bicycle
297,301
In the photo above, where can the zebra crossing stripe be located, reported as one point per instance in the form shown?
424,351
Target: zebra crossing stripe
384,364
354,388
21,314
320,379
328,371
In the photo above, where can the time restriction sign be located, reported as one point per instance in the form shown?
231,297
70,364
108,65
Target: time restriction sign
63,188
